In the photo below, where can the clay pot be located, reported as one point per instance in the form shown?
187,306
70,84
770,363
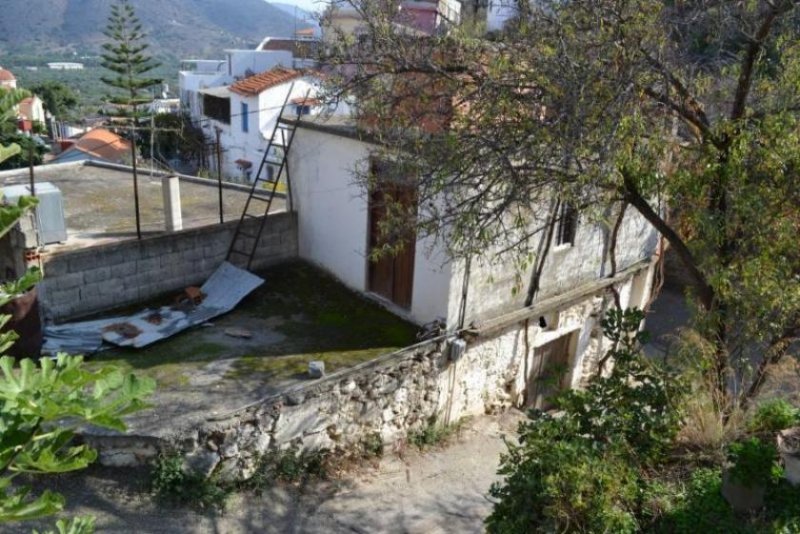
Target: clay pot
26,322
789,449
742,498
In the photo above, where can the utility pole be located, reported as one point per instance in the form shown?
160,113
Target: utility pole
30,167
135,178
219,174
152,142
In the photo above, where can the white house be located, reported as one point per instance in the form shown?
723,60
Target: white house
203,74
337,224
245,114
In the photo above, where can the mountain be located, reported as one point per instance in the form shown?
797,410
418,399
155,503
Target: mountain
176,28
305,18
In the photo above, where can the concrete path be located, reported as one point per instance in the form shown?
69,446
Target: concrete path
439,491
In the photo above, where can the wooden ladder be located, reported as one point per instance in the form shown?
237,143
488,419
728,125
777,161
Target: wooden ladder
244,244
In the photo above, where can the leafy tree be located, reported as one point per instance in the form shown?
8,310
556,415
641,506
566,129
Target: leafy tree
41,406
58,98
9,100
686,112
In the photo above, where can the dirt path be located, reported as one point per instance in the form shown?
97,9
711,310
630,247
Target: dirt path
442,490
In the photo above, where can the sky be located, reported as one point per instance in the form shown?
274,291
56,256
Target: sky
308,5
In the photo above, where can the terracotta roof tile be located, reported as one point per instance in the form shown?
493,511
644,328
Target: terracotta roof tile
103,144
259,83
6,75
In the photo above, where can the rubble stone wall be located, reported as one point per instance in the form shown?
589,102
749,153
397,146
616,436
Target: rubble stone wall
386,397
98,278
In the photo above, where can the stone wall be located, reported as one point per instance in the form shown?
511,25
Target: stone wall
386,397
98,278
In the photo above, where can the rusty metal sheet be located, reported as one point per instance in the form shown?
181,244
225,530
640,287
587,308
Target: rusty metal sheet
223,291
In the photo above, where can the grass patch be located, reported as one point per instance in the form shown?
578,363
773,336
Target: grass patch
170,483
169,362
296,365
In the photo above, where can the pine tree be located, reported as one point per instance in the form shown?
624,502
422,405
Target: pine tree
126,57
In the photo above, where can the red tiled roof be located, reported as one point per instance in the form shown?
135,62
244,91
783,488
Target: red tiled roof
259,83
103,144
6,75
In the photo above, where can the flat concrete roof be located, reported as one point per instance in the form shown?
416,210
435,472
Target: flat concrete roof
99,203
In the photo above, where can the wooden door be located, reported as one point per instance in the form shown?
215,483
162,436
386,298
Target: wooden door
550,372
392,275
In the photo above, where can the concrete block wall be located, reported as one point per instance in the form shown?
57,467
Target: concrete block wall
94,279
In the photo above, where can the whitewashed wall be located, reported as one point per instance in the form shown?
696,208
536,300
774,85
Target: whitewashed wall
263,111
499,284
333,220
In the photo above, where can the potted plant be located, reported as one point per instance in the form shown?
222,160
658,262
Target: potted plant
749,470
789,449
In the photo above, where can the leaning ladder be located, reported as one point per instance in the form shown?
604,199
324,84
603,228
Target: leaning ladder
244,244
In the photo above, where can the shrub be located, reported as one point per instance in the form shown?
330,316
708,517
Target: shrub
170,482
434,433
774,415
556,485
700,508
753,462
580,471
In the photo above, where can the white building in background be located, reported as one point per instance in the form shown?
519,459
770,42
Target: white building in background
7,79
245,114
65,65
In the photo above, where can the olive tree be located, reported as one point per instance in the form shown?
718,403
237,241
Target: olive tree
686,112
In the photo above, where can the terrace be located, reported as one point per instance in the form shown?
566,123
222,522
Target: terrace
298,315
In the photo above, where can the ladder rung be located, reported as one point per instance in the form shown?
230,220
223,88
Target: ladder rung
239,252
259,197
251,236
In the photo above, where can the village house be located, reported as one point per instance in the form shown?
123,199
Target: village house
98,144
7,79
245,113
338,225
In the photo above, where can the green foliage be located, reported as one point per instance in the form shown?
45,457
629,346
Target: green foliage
41,406
127,59
434,433
700,508
169,481
372,446
58,98
292,465
752,462
638,402
774,415
77,525
579,470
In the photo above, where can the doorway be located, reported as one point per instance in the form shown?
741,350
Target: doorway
392,274
550,373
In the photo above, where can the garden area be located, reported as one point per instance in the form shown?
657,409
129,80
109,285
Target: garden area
647,447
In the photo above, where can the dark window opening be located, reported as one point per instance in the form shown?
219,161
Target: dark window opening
245,118
217,108
567,224
303,109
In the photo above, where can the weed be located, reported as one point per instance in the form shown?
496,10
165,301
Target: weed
371,446
774,415
290,466
753,462
434,433
170,482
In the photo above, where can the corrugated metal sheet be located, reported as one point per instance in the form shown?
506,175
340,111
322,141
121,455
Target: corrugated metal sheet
223,291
